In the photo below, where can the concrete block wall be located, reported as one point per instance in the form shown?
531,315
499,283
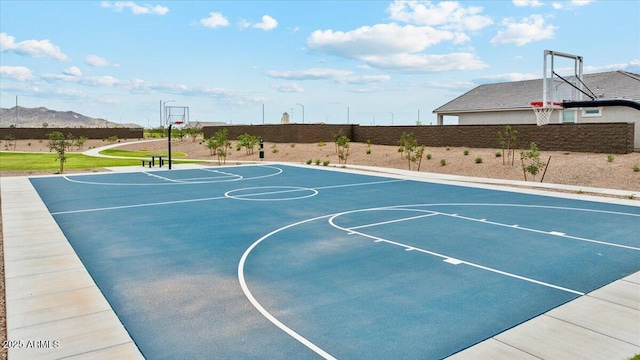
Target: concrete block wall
90,133
615,138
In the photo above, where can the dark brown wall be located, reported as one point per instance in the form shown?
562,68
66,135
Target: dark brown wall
91,133
614,138
285,133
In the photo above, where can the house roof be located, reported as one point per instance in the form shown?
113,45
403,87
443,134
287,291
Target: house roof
520,94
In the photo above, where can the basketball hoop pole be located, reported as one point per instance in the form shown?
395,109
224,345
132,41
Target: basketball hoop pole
170,125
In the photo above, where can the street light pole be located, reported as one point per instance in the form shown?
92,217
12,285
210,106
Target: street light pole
391,117
302,111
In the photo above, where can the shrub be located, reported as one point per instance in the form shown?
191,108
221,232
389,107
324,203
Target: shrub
317,161
443,162
447,148
309,162
610,158
478,160
325,163
498,153
465,152
636,168
321,143
249,142
368,151
531,162
428,156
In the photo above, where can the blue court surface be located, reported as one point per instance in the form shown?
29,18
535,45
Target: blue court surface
283,261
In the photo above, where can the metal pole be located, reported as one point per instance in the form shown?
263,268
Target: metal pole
170,145
302,111
160,112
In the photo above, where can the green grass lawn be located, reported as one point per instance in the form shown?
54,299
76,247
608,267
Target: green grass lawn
40,161
140,154
48,161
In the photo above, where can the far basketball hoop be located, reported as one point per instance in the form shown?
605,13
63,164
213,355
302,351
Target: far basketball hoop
177,116
543,110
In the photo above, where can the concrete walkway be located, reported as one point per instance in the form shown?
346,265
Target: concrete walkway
55,310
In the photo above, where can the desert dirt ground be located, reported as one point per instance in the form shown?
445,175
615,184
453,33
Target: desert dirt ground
569,168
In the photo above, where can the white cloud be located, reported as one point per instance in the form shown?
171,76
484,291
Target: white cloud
338,76
288,87
448,15
73,71
215,20
379,39
421,63
309,74
365,79
135,8
509,77
523,3
98,61
35,48
395,47
530,29
19,73
267,24
570,5
633,66
93,81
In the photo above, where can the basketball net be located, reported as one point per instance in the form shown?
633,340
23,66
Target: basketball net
543,113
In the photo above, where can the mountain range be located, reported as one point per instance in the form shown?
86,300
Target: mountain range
43,117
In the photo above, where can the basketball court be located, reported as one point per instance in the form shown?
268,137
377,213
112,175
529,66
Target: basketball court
287,261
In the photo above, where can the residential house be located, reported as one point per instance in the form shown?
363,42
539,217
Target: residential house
510,103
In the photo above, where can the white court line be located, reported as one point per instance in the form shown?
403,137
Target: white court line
449,258
392,221
193,200
138,205
161,177
261,309
556,233
213,180
358,184
289,189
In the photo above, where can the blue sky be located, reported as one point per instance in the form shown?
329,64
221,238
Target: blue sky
366,62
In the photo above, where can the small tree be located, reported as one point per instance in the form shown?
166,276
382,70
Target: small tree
79,142
60,144
10,141
342,148
249,142
222,145
413,152
508,141
531,162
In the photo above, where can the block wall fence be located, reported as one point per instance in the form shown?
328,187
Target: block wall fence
90,133
615,138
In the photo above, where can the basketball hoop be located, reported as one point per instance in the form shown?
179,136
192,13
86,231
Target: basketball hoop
543,111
